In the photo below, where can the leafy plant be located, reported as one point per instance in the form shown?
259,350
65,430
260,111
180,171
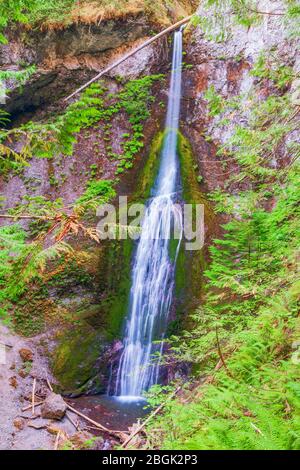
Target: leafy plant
97,192
215,101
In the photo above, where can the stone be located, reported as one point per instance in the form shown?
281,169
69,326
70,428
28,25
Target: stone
22,373
13,381
53,429
53,407
38,423
80,438
26,355
19,423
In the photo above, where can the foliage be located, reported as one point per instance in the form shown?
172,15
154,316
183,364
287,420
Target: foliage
243,348
46,139
11,10
21,262
38,206
4,117
269,122
18,76
215,102
97,192
256,407
135,99
43,140
218,17
251,314
32,11
270,67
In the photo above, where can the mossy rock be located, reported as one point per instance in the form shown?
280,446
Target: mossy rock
190,264
147,176
78,362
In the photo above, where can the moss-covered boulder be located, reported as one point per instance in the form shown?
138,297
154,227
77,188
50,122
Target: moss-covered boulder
79,361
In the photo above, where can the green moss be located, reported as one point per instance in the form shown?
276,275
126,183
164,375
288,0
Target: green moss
115,275
28,322
77,363
148,174
190,264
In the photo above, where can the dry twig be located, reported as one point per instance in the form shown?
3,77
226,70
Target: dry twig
30,406
221,355
33,395
155,412
57,440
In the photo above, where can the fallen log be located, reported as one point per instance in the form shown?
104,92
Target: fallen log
76,426
157,410
126,56
117,434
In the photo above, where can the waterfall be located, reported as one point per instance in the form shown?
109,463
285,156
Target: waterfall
153,270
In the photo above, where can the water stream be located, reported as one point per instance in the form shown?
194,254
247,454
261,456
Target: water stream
153,270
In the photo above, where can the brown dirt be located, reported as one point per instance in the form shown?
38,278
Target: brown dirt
20,430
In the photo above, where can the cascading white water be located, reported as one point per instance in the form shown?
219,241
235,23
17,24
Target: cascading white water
153,270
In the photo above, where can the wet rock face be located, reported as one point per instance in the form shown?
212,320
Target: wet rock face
53,407
67,58
227,67
41,47
43,90
79,362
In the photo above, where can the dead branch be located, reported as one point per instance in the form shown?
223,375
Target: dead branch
268,13
33,394
36,426
57,440
221,354
49,385
117,434
155,412
126,56
31,418
30,406
76,426
256,429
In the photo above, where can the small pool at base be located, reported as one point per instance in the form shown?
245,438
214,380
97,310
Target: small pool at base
116,413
